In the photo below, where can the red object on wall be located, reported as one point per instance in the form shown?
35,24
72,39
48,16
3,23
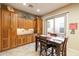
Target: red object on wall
73,26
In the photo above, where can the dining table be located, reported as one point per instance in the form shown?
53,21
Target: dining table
56,41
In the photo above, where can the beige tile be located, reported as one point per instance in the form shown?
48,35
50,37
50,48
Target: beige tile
29,50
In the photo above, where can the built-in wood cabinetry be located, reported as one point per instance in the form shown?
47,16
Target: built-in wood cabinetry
19,40
24,39
13,29
29,23
25,24
39,25
30,38
0,29
5,36
21,22
9,23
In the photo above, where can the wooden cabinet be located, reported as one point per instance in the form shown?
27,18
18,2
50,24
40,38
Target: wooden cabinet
21,22
0,29
5,30
21,39
24,41
39,25
29,24
29,38
9,22
35,26
13,30
34,38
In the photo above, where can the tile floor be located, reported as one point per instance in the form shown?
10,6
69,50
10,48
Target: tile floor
29,50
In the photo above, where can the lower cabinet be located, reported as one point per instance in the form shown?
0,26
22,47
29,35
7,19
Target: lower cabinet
5,43
0,42
29,38
24,39
33,38
19,40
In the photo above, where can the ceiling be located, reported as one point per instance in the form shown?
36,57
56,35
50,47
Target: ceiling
44,7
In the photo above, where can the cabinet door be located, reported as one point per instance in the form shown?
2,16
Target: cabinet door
0,29
29,24
33,38
13,29
21,22
29,38
5,30
20,39
39,25
35,26
26,24
24,39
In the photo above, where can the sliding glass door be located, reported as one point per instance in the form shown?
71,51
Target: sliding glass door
50,25
60,26
56,25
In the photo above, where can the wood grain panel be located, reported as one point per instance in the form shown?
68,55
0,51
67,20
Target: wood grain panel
21,22
29,38
5,30
39,25
24,39
19,40
13,29
0,29
29,24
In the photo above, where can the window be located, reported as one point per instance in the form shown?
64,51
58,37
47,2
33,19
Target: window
59,25
50,26
56,25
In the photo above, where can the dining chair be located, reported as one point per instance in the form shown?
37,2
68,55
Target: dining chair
45,47
62,49
52,34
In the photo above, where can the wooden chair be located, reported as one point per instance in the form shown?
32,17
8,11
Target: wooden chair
62,49
52,34
45,47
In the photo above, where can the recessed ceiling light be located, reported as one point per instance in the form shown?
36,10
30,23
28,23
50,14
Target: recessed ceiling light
24,3
38,10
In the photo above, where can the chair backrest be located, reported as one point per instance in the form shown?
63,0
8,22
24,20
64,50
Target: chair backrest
65,44
52,34
65,41
43,40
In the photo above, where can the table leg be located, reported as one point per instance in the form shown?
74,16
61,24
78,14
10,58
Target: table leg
36,44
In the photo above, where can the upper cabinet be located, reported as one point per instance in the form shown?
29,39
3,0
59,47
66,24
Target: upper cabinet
20,22
29,23
25,23
39,25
